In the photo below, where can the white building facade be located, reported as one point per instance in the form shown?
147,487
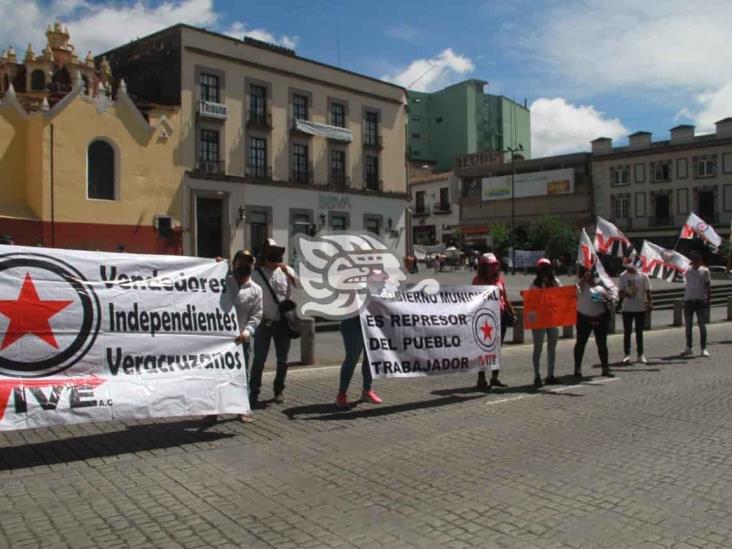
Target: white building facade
648,188
435,207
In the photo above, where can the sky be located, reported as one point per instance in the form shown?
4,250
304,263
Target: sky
587,68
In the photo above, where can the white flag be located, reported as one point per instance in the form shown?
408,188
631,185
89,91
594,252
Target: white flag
695,226
658,261
606,235
588,258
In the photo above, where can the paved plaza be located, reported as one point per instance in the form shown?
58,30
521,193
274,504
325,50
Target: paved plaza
641,460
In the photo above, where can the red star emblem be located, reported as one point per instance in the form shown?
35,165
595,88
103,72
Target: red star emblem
29,315
487,330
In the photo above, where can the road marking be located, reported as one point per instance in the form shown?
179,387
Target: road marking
557,390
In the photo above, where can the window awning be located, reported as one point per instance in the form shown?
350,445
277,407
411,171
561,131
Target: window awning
475,230
325,130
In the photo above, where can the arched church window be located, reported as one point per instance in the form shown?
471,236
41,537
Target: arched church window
101,170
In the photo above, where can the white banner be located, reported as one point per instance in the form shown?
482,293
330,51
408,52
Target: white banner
695,226
90,336
659,262
413,333
525,259
529,184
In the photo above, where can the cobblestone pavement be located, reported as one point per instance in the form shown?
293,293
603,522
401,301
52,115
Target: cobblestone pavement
641,460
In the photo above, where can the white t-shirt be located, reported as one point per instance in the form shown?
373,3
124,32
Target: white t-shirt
591,299
633,288
697,281
280,284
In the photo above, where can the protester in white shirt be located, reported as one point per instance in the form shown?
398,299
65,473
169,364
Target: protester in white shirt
593,315
245,296
635,291
278,278
697,295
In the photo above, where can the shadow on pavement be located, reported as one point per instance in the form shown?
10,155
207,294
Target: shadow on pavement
328,412
134,439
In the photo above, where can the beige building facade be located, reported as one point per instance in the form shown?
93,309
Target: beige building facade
273,144
649,187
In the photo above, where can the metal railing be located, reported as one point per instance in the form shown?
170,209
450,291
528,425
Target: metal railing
372,141
210,166
303,177
260,172
259,120
339,181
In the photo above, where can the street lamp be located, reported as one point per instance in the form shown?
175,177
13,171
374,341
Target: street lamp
513,151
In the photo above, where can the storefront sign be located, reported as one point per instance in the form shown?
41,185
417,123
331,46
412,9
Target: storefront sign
543,183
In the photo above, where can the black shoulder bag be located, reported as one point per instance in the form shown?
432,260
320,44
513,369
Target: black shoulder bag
288,315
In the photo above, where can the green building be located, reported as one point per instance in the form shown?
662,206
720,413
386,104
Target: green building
463,119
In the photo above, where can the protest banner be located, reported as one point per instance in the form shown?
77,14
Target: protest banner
525,259
414,333
90,336
550,307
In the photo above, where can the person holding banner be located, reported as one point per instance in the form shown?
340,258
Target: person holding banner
697,296
354,346
248,307
277,281
489,274
594,301
634,287
545,278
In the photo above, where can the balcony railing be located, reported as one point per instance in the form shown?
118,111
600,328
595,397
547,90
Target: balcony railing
259,172
210,166
442,207
661,221
303,177
339,181
261,120
374,184
372,141
209,109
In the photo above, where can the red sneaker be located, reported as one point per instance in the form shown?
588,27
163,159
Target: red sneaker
371,396
342,400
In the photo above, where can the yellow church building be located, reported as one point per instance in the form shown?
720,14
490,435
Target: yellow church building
81,164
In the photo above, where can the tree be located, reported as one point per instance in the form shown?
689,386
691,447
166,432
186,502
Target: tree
552,234
501,234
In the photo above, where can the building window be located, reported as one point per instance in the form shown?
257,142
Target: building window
258,102
258,156
209,84
372,172
258,230
300,163
705,166
300,106
727,163
373,225
640,173
338,167
619,175
371,128
338,222
416,136
38,80
338,115
100,170
662,214
209,146
444,199
682,168
419,203
621,206
661,171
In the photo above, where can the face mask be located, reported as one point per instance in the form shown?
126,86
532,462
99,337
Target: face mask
243,271
274,257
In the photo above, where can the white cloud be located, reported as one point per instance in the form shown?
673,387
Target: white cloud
402,31
560,127
432,74
711,107
100,27
239,29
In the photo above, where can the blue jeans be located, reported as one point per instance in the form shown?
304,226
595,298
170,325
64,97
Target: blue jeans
264,335
353,343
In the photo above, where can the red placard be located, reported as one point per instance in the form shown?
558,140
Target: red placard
550,308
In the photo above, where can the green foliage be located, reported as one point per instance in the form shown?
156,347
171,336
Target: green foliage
552,234
501,237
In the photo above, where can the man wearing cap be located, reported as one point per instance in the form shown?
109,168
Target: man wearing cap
277,281
634,287
247,302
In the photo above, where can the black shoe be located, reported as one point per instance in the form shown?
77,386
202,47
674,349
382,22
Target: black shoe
498,383
551,380
577,375
208,421
607,373
537,383
482,384
280,397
